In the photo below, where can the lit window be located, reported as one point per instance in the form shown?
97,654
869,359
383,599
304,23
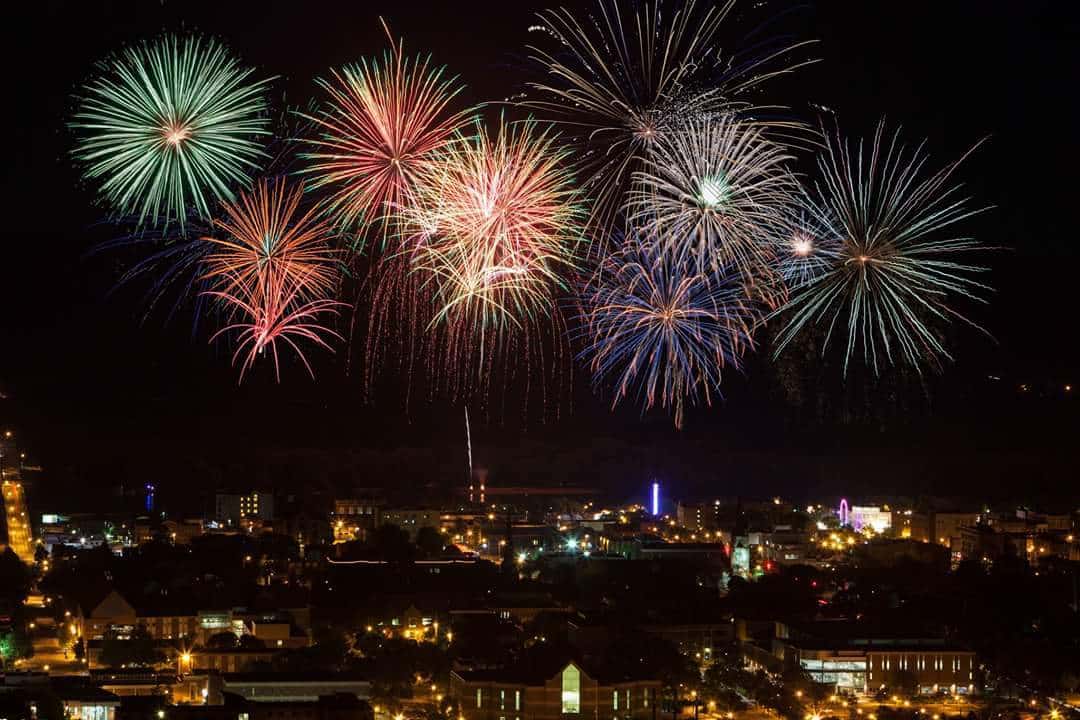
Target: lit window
571,690
517,699
614,699
502,699
479,698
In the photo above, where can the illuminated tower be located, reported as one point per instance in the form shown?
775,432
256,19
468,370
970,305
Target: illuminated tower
15,514
150,497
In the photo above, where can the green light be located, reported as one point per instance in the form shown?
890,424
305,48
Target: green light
714,191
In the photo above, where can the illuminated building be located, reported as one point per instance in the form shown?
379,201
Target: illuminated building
655,499
567,689
412,519
870,516
853,657
354,518
699,516
232,508
86,702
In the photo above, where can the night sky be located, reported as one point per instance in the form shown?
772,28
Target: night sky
101,392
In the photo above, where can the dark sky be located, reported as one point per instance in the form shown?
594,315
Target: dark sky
99,393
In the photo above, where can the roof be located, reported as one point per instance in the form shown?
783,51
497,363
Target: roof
538,674
895,636
83,693
280,678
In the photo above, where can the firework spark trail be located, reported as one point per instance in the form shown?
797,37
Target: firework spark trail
168,127
897,271
658,329
273,272
265,235
493,229
807,247
495,225
266,313
378,134
715,191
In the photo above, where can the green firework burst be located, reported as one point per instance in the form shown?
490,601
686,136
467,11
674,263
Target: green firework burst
169,126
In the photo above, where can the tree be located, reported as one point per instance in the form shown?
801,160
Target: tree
221,641
429,541
15,578
138,650
15,645
389,542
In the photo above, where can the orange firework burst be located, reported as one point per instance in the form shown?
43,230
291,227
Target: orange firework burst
273,270
494,227
378,133
264,235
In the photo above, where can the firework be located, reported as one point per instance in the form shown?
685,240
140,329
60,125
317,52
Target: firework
620,81
168,127
807,246
897,268
271,267
714,191
378,134
659,329
261,316
265,235
495,224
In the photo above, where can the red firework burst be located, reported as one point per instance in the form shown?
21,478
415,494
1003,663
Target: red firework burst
377,134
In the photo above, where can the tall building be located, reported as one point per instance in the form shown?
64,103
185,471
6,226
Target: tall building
16,516
231,508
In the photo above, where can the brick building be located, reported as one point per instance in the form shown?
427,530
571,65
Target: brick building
568,692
